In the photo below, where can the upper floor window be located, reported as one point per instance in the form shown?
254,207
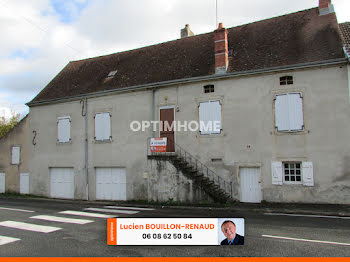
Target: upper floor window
103,126
286,80
210,117
289,112
15,155
208,89
63,129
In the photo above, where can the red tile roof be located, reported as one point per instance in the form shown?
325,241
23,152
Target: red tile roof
291,39
345,29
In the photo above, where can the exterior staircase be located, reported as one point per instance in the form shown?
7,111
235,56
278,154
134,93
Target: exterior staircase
211,183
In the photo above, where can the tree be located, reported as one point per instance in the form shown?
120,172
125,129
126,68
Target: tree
7,124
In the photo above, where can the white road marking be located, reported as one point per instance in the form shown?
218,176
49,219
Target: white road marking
63,219
15,209
29,227
129,208
6,240
86,214
111,210
300,215
308,240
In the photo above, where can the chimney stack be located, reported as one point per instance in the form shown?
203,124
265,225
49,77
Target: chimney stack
325,7
221,50
186,32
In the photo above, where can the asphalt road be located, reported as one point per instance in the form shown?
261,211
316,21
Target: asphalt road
265,234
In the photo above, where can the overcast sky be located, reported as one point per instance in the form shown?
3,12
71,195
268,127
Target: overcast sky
39,37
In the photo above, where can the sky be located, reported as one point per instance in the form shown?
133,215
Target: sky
39,37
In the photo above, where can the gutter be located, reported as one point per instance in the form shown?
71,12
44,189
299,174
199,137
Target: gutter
191,80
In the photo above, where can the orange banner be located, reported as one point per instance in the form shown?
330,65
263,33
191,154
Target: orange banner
111,231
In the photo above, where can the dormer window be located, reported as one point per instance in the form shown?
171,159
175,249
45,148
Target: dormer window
111,74
286,80
208,89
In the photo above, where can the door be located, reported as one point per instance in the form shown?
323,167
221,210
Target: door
2,183
167,118
110,183
250,185
62,183
24,183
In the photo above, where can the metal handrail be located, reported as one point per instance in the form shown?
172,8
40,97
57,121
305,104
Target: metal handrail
195,162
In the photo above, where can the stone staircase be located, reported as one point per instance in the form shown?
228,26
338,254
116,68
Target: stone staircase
215,186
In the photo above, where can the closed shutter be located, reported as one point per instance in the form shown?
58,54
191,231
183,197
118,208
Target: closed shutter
277,176
308,174
2,183
296,121
281,113
15,155
63,129
102,126
209,112
24,183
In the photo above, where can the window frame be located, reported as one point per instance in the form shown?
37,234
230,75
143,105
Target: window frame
286,80
199,118
70,127
295,169
207,89
276,128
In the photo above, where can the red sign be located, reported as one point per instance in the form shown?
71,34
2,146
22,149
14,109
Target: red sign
158,144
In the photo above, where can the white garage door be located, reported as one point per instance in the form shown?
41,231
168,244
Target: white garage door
110,183
24,183
250,185
2,183
62,183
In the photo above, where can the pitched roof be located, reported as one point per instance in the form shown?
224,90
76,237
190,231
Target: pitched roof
291,39
345,29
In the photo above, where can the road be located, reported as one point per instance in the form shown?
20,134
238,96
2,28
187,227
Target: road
266,234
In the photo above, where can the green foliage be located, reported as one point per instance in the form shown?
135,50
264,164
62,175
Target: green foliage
7,124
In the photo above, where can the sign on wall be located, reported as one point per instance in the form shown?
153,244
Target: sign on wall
158,144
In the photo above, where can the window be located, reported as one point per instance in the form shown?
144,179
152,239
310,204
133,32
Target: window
63,129
290,172
111,74
286,80
103,126
208,89
289,112
210,117
15,155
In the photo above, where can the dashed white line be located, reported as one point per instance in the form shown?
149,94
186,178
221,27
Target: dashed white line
5,240
301,215
308,240
29,227
86,214
15,209
129,208
63,219
111,210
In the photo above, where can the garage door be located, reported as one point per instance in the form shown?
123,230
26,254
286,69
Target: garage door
62,183
2,183
110,184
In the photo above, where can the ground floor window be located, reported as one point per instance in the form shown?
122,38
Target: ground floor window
292,172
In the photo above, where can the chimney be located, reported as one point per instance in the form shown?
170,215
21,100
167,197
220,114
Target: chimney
325,7
221,50
186,32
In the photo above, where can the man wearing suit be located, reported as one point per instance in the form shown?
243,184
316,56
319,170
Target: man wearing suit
229,230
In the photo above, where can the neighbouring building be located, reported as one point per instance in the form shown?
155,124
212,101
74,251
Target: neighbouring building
279,89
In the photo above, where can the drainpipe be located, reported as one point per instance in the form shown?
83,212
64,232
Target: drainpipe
86,149
153,111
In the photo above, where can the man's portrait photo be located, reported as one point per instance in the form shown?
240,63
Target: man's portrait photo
229,230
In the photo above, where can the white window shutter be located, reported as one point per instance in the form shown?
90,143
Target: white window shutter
281,113
102,126
296,119
204,117
63,129
308,174
216,116
15,155
277,176
2,183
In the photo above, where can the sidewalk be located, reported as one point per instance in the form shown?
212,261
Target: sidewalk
288,208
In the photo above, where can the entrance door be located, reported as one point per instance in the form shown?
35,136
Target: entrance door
2,183
167,115
24,183
250,185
